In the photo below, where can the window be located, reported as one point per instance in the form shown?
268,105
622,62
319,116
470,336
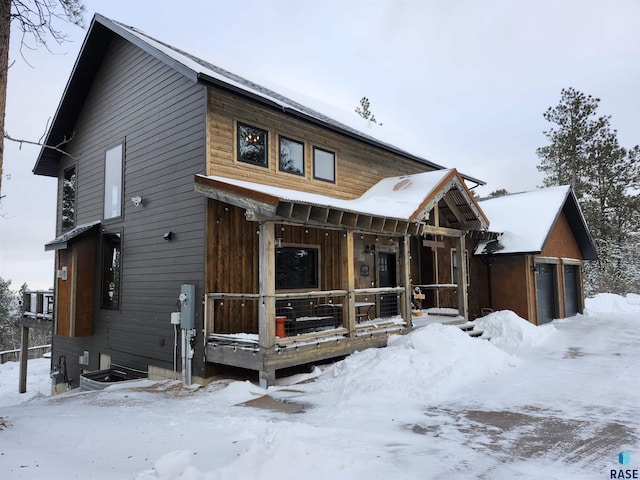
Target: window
252,145
69,199
111,250
454,265
297,267
324,165
291,156
113,182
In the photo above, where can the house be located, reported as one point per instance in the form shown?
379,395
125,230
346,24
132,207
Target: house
281,235
535,266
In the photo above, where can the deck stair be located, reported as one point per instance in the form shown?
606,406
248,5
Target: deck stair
467,327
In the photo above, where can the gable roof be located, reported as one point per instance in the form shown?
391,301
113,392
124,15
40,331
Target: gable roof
525,220
95,45
388,206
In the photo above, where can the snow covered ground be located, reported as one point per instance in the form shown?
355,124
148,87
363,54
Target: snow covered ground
556,402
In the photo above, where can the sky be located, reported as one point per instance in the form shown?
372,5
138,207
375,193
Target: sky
434,404
469,81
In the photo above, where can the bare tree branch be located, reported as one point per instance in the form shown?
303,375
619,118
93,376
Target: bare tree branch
44,145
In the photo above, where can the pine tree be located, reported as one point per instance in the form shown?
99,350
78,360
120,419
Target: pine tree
364,112
584,152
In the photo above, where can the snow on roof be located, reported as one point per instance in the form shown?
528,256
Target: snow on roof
292,100
523,220
62,241
394,197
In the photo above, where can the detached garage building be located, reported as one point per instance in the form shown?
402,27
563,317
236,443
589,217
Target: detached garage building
542,238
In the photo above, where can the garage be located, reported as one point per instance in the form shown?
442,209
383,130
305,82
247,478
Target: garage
546,292
571,290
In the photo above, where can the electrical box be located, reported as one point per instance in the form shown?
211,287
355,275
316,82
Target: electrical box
187,306
175,318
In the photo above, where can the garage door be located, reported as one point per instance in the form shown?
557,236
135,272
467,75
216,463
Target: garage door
545,292
571,290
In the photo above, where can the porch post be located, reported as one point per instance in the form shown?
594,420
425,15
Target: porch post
267,307
349,282
463,300
405,279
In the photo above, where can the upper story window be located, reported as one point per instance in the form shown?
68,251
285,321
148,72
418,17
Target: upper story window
324,165
113,182
252,145
69,199
291,156
297,267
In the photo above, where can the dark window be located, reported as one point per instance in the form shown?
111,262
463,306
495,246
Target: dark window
111,250
252,145
291,156
454,265
324,165
113,182
69,199
296,267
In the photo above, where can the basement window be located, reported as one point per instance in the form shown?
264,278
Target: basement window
297,268
252,145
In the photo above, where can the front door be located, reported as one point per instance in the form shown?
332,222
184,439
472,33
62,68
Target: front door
387,278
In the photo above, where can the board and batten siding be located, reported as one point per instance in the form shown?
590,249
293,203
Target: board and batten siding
161,118
358,164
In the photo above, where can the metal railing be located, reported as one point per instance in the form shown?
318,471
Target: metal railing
302,312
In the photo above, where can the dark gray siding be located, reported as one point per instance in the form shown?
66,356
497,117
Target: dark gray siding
160,115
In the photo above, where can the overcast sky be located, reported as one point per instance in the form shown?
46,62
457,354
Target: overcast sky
468,80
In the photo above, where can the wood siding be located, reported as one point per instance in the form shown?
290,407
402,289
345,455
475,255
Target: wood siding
561,243
358,165
232,261
160,117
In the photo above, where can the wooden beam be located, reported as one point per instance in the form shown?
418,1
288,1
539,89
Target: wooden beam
405,279
463,299
267,288
445,232
347,259
24,356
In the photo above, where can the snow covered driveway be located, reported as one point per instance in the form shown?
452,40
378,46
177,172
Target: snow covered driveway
558,401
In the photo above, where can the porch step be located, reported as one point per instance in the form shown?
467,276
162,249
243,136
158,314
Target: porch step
469,329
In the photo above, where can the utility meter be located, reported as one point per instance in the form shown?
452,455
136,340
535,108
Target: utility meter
187,306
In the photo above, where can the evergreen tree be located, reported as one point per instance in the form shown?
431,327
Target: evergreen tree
584,152
364,112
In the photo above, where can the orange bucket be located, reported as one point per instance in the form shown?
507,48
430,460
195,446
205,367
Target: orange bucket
280,330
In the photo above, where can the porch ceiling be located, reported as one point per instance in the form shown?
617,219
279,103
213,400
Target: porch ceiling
395,205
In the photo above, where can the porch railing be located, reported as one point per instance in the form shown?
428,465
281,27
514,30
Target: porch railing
317,313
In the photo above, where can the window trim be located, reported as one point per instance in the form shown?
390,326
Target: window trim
103,259
266,145
301,246
315,176
122,145
280,169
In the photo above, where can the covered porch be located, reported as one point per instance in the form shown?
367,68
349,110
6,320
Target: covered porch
295,278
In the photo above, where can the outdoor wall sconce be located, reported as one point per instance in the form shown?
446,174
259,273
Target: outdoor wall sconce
137,200
168,236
